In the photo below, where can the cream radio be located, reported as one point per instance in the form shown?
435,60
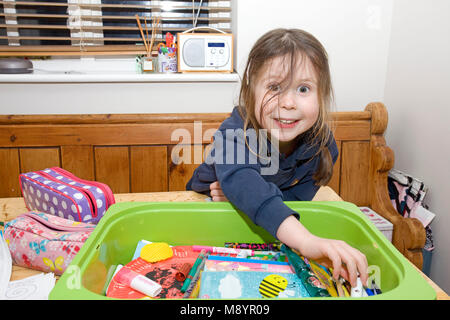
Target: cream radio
205,52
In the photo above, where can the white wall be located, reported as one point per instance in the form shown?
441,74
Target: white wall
111,85
417,82
355,34
116,97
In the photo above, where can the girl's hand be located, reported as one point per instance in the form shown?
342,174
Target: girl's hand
345,260
216,192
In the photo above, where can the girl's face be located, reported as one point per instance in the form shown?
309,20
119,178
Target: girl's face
296,108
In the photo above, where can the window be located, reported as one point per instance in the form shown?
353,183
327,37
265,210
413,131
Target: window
99,27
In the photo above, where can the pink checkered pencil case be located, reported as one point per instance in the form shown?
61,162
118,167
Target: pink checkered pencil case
45,242
59,192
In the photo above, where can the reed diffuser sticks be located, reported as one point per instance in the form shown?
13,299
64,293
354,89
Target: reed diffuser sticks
142,32
148,41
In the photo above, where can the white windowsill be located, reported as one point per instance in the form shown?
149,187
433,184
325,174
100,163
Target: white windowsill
105,70
103,76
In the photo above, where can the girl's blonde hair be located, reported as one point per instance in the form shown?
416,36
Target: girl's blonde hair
292,44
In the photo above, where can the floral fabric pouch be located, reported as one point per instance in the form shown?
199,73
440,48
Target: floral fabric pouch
45,242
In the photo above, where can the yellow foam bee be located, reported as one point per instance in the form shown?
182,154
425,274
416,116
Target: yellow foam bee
272,285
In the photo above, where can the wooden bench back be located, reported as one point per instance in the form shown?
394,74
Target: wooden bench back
133,152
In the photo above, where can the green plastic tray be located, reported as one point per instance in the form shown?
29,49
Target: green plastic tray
115,238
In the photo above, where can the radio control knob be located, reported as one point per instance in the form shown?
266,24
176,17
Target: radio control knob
221,51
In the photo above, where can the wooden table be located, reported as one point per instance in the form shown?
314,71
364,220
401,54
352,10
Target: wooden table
10,208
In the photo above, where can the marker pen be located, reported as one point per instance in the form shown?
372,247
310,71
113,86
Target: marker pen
375,288
241,253
269,252
339,288
343,284
369,291
254,246
138,282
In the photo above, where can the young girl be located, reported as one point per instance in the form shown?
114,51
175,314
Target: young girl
285,96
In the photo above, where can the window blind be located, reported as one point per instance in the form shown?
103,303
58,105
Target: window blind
99,27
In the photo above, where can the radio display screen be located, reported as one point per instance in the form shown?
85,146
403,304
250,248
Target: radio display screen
216,44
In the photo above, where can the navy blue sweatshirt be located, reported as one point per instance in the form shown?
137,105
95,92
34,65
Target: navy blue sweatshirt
243,176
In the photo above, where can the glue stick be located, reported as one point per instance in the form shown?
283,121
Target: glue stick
358,291
138,282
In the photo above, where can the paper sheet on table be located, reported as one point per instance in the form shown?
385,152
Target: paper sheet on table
5,265
36,287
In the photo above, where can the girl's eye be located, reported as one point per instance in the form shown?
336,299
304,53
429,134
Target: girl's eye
303,89
274,87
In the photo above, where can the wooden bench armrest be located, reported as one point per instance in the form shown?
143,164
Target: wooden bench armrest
409,234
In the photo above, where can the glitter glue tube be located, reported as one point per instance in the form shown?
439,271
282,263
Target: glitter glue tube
138,282
308,278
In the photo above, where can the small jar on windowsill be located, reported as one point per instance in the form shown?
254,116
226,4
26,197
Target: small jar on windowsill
149,64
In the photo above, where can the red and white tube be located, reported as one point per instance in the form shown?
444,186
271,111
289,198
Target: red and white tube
138,282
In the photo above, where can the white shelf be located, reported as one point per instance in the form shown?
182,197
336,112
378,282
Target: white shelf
104,77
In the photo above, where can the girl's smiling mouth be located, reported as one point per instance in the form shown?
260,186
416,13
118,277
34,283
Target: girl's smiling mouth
286,123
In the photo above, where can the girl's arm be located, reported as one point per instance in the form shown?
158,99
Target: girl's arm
242,184
328,252
345,260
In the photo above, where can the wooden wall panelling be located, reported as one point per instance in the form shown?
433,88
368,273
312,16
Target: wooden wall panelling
98,134
77,134
180,167
354,178
148,168
334,182
32,159
112,166
79,160
9,172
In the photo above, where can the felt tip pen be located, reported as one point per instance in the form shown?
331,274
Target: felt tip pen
276,256
376,290
341,283
275,246
138,282
369,291
346,285
339,288
240,252
268,252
